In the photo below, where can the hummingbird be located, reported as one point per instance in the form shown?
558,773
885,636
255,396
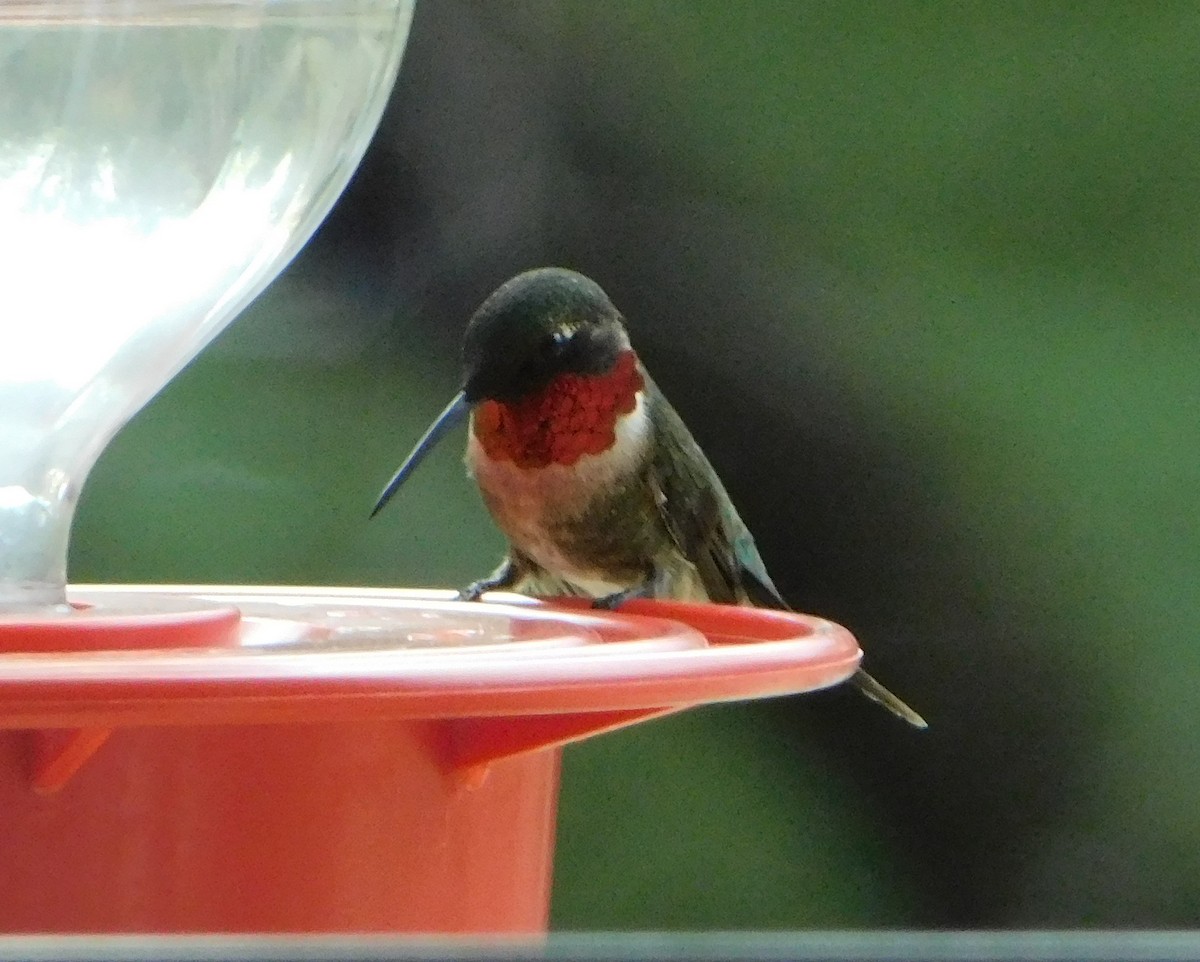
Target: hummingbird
595,481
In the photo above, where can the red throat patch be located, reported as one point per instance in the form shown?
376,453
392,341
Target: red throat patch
573,415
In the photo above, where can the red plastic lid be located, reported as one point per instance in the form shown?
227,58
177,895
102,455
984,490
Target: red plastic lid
314,654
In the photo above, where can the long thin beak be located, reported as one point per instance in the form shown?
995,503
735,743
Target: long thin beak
456,411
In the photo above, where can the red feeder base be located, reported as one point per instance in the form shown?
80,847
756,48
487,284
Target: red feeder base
331,827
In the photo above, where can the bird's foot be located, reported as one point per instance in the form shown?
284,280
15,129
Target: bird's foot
645,589
474,591
477,589
503,577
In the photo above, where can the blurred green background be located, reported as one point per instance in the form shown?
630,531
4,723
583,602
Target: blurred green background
922,278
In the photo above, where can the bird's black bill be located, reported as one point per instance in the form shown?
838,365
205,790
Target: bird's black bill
456,411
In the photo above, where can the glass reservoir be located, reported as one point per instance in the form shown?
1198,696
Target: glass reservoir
160,161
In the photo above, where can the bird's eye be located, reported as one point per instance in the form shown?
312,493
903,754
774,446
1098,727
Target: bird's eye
554,343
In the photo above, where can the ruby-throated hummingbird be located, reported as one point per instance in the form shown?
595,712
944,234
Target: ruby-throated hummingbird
595,481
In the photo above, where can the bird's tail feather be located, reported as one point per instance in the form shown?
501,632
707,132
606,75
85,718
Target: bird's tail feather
877,693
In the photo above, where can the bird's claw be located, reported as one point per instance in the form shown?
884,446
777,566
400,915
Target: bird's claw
614,601
474,591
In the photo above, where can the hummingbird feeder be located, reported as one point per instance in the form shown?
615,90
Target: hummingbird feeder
340,760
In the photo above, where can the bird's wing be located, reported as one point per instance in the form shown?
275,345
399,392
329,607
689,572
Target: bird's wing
706,529
699,516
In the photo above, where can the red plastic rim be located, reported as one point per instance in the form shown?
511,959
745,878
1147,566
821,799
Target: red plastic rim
316,654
